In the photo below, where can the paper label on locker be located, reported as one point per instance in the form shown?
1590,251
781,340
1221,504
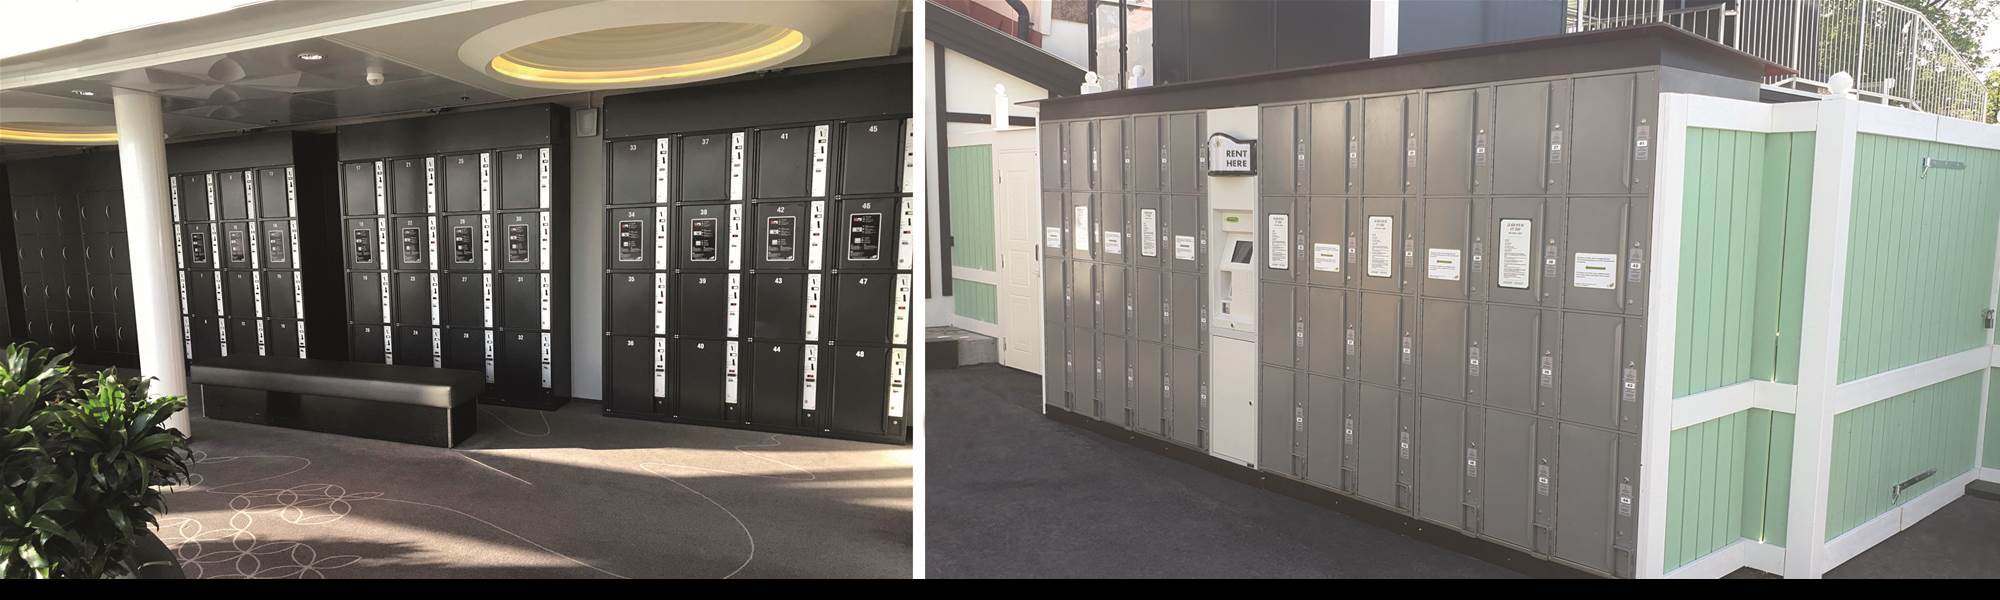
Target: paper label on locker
1082,228
1326,257
548,367
701,239
900,334
781,238
1149,232
809,379
1641,142
1542,479
736,166
1595,271
815,238
661,173
906,235
1114,242
659,367
897,360
812,307
1472,462
1517,240
1624,499
1444,264
864,236
1278,251
485,233
729,373
544,166
660,303
660,238
819,161
735,301
430,186
735,236
630,248
1054,235
1381,246
1184,247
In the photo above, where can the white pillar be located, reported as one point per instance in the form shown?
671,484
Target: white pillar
1384,23
142,165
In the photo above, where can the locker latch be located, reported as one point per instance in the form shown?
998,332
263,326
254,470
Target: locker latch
1989,318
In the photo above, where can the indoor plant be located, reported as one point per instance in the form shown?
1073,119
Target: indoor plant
82,462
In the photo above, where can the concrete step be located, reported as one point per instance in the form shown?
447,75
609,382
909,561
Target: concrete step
951,347
1982,489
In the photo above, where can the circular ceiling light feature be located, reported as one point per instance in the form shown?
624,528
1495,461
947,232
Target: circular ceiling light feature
649,54
310,56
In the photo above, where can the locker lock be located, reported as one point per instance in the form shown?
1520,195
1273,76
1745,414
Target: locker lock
1989,318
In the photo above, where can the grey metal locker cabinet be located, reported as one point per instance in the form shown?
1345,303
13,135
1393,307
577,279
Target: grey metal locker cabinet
1281,231
230,192
1334,148
1450,332
1082,295
860,390
413,346
1147,323
1055,218
1146,402
873,233
1389,144
357,192
1190,328
1609,112
1441,457
778,302
632,303
244,335
1112,304
282,338
465,299
1327,347
1187,155
784,164
362,245
1112,393
1520,342
1277,169
365,295
366,340
518,244
407,192
239,292
468,243
1447,252
1083,227
778,236
206,334
1114,158
517,369
1328,256
279,300
1143,244
273,195
1185,233
1277,408
634,173
704,231
1599,375
1114,241
1525,251
1082,155
1385,333
1148,157
1054,154
1587,500
1507,478
1530,142
871,157
630,392
704,305
1377,433
862,306
1184,386
1326,434
1281,329
462,183
1455,142
1083,366
413,297
277,240
1055,292
237,245
466,349
411,243
1055,365
1387,237
1605,254
634,238
774,384
705,167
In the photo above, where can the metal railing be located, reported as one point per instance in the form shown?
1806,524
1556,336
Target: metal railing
1895,55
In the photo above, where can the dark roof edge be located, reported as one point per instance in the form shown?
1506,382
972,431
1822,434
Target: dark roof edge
959,33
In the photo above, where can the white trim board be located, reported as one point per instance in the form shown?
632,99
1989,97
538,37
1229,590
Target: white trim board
1987,473
1892,121
1721,402
1866,535
1742,553
1662,300
1710,112
1889,384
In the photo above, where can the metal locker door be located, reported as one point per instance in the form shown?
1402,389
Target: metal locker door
1451,127
239,288
779,305
1326,432
872,233
871,157
635,172
1082,235
1111,380
1185,387
1388,241
1276,320
1055,290
1148,164
363,247
1184,234
277,244
1447,253
1113,238
1386,344
1386,140
1334,149
1051,151
774,384
364,297
1112,307
631,377
1541,121
1605,254
412,243
1518,345
1083,156
200,299
1376,436
207,336
1082,295
519,243
1441,462
408,193
784,163
1278,241
1327,346
1586,497
704,304
705,167
1520,141
778,236
413,297
520,301
1599,370
1114,163
237,246
1523,236
413,346
465,295
463,182
281,298
244,335
99,252
1147,324
128,335
1603,146
1147,402
1277,167
1187,157
1142,242
1055,231
366,340
860,390
632,303
273,194
1055,365
283,338
1277,399
466,349
633,234
519,365
1447,339
1327,257
1186,318
1083,371
232,195
359,193
862,304
1506,471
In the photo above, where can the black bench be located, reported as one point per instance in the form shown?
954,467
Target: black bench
415,405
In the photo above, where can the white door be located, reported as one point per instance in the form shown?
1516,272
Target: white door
1020,218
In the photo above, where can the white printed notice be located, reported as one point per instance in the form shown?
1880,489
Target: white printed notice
1381,246
1184,247
1444,264
1595,271
1054,240
1280,246
1326,257
1517,238
1114,242
1149,232
1082,228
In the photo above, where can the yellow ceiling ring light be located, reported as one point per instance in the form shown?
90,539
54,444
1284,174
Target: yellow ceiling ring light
781,46
622,45
30,136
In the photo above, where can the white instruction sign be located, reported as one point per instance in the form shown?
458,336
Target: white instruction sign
1326,257
1054,240
1082,228
1279,249
1184,247
1595,271
1114,242
1444,264
1149,232
1381,246
1517,240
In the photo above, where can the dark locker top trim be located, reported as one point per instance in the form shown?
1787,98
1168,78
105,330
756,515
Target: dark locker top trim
455,132
271,149
847,94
